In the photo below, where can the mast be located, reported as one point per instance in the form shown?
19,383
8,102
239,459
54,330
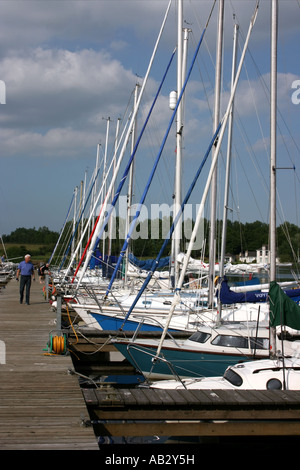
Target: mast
105,177
74,216
228,163
178,168
5,254
273,148
130,182
95,186
113,189
80,204
212,243
83,204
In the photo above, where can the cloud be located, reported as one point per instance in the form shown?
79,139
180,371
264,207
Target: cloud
52,94
58,142
49,74
79,23
253,95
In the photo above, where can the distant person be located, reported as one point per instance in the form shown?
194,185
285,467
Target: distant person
42,269
26,270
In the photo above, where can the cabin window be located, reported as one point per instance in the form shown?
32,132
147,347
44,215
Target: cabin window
259,343
241,342
233,377
230,341
200,337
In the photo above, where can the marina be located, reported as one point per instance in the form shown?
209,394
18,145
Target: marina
191,339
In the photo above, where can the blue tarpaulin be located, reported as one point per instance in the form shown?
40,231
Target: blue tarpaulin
147,263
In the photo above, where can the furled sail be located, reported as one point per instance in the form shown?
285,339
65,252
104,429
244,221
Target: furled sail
227,296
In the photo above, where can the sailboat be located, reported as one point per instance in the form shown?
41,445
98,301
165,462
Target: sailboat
210,350
191,304
276,373
266,374
158,301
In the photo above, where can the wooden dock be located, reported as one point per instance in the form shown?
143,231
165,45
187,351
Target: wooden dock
206,413
41,405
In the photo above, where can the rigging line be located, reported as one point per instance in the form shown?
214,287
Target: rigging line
92,188
133,223
65,241
153,139
64,224
62,247
167,239
206,89
78,222
296,200
244,135
267,94
201,207
125,174
242,128
250,186
260,173
284,227
249,147
210,81
103,207
201,27
265,89
92,212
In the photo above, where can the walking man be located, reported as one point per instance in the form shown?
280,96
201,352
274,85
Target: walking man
26,269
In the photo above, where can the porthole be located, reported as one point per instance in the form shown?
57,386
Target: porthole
274,384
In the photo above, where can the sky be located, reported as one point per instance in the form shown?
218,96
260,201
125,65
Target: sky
69,70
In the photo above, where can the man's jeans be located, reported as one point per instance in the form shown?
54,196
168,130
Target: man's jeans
25,281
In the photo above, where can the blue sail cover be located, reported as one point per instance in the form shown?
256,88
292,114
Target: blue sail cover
147,263
96,259
227,296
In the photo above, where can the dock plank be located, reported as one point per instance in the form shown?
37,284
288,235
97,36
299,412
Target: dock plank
41,403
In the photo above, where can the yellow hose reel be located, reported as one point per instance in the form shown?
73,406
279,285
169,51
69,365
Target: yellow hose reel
57,344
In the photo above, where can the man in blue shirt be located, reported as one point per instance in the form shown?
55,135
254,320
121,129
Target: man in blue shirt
26,269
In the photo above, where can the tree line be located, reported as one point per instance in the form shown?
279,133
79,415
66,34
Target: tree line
32,236
38,242
240,238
